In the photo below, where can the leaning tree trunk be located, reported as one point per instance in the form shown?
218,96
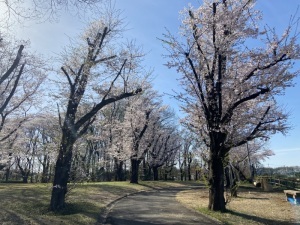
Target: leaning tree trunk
134,171
62,173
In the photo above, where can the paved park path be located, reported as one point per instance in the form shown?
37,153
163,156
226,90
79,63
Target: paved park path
154,208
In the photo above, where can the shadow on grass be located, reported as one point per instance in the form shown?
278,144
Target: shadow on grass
148,186
256,198
85,208
260,220
118,190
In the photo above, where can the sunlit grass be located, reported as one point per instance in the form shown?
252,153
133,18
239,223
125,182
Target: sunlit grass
253,207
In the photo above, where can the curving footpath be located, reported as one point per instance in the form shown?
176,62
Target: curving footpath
154,208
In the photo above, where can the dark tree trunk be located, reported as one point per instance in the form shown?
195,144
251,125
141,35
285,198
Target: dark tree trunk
119,173
62,173
149,173
166,176
32,166
252,172
197,177
216,185
145,172
45,164
25,178
155,173
216,172
24,172
189,172
134,171
7,173
181,174
189,160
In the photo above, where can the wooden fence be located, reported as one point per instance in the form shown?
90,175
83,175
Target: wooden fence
282,182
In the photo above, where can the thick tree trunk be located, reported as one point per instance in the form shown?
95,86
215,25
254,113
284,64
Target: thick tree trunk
155,173
134,171
61,176
216,172
25,173
216,184
119,174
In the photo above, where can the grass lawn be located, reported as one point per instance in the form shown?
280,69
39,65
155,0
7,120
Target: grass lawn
28,203
251,207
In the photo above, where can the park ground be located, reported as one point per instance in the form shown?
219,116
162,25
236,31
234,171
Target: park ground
28,203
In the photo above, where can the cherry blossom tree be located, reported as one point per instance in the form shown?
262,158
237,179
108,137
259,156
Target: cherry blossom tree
186,155
116,134
165,147
91,69
21,75
33,147
137,121
229,85
241,163
20,11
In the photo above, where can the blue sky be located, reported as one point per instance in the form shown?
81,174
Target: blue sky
147,20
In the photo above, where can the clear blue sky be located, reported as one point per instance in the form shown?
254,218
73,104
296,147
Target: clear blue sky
147,20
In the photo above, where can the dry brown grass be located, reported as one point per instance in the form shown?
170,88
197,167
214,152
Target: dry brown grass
252,206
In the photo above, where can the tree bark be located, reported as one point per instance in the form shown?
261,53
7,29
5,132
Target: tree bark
155,173
62,173
216,185
45,164
189,172
119,173
134,171
216,172
7,173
